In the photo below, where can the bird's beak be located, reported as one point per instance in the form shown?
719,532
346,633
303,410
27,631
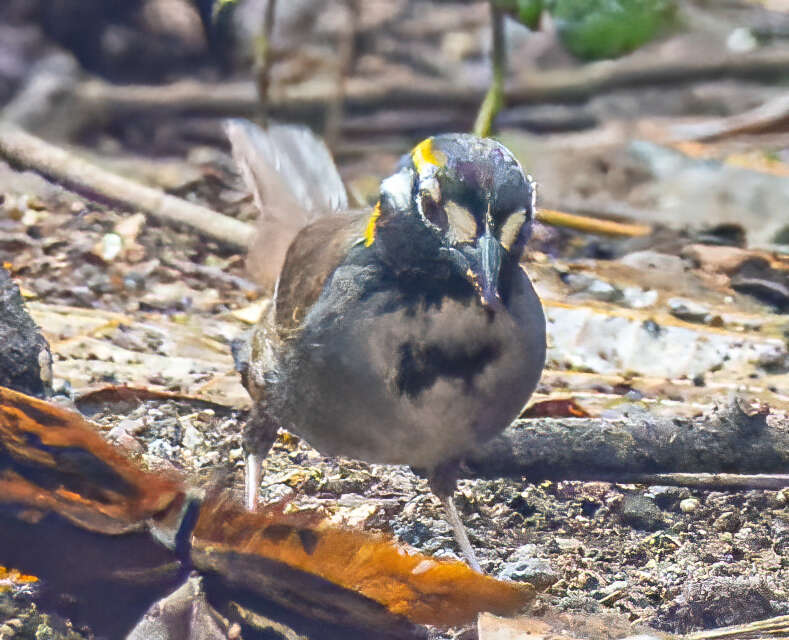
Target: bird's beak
484,271
481,265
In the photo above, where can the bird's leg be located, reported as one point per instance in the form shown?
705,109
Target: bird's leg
252,472
442,482
494,98
260,431
461,537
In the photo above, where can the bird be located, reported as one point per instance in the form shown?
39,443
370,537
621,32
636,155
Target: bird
408,334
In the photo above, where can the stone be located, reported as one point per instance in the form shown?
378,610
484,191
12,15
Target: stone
720,601
591,287
717,259
688,310
689,505
522,566
667,498
640,512
728,521
25,359
638,298
654,260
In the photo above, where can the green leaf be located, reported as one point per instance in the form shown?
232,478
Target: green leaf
592,29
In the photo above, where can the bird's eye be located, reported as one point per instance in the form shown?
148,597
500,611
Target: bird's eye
462,225
511,228
433,212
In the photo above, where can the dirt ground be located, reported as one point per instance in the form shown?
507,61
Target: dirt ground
160,310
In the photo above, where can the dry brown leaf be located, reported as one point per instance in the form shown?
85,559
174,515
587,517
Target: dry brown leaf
92,483
555,408
423,589
52,461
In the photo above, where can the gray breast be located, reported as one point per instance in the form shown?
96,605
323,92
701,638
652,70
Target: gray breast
409,384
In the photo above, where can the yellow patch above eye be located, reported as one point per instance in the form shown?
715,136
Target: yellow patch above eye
511,228
462,225
369,231
424,154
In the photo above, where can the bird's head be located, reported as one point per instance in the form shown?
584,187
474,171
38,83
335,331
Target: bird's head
467,201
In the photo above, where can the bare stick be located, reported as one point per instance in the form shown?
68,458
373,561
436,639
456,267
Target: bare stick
711,480
770,628
241,98
29,152
771,116
588,224
644,448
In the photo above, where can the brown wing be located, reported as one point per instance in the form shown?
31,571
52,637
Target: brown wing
312,257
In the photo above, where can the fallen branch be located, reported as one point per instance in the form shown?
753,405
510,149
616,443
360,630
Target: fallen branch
21,149
777,627
711,481
30,152
362,94
645,448
771,116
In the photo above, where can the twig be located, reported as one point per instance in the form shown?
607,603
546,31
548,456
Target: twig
710,481
29,152
771,116
777,627
591,225
212,274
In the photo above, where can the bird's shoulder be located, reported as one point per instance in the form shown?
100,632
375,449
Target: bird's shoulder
313,256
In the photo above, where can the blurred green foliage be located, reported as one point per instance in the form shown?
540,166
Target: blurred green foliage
594,29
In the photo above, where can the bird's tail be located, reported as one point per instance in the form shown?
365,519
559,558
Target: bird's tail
293,179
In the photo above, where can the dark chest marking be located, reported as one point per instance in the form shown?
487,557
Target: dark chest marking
420,366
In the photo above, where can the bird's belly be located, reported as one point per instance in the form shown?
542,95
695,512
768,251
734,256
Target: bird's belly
417,387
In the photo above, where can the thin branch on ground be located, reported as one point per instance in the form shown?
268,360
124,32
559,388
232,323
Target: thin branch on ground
241,98
734,444
588,224
24,150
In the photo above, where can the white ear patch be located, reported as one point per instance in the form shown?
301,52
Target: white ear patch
462,225
398,188
511,228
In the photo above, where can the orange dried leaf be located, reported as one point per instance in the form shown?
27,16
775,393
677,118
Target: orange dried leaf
556,408
16,577
96,485
357,577
425,590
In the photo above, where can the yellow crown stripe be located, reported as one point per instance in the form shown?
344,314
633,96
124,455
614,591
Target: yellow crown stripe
424,154
369,231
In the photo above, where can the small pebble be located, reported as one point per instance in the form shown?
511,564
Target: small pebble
688,310
689,505
728,522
